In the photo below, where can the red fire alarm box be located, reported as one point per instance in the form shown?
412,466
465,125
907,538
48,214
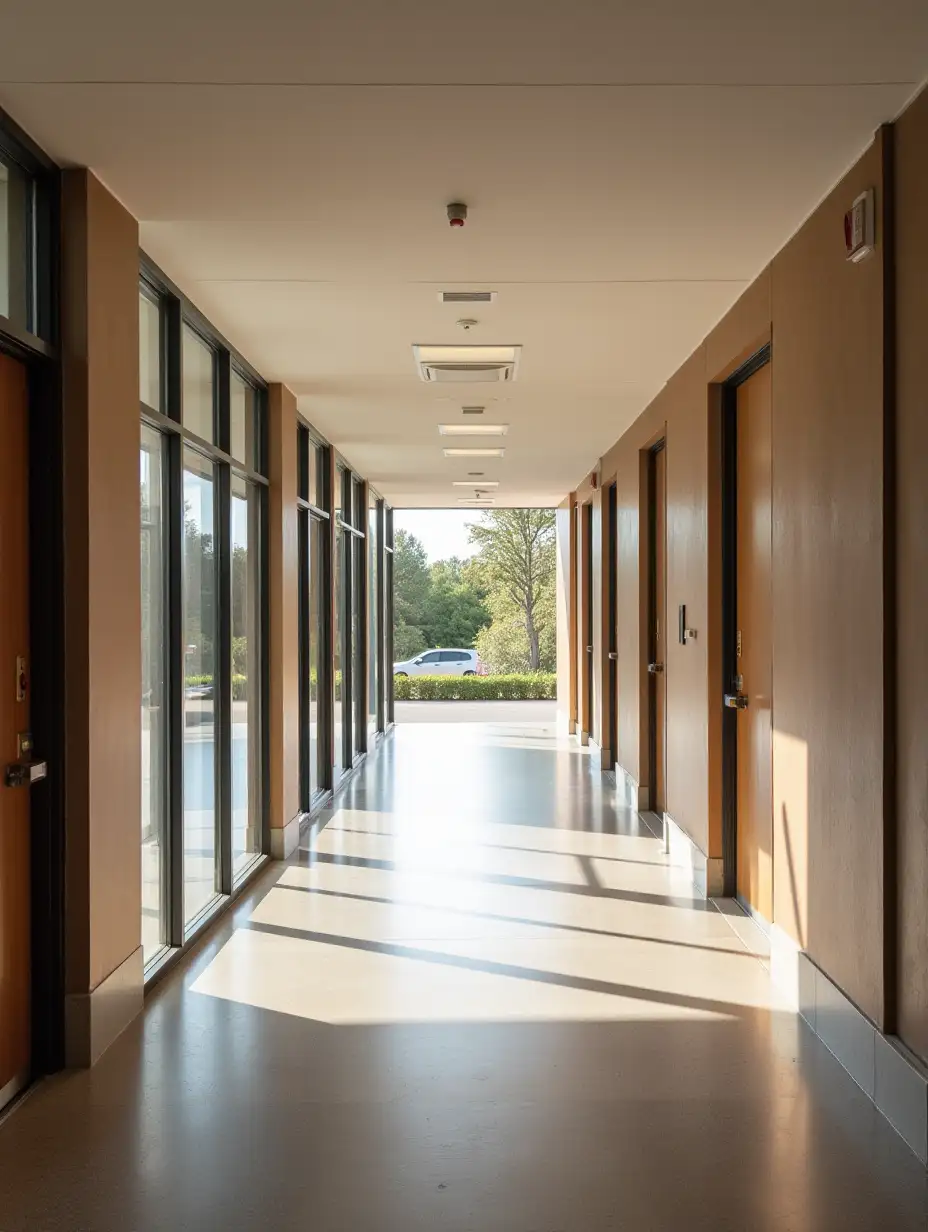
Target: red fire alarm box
859,227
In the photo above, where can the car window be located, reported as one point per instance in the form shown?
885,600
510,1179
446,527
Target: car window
432,657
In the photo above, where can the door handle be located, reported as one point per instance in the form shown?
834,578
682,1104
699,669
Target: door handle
23,773
613,655
589,650
736,701
655,668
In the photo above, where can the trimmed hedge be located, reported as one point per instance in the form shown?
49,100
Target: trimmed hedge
540,686
239,685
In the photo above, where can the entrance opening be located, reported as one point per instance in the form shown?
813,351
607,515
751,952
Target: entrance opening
747,657
657,623
474,627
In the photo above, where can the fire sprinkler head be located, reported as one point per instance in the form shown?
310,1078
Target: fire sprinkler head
457,214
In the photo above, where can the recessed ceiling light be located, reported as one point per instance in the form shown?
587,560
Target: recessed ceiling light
475,504
474,453
466,483
473,429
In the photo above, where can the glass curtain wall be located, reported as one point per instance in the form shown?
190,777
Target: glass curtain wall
342,656
203,500
358,620
373,617
314,592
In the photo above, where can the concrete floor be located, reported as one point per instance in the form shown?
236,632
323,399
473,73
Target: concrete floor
477,1001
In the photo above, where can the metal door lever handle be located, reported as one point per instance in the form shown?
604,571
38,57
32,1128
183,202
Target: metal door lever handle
613,655
589,650
736,701
21,774
655,668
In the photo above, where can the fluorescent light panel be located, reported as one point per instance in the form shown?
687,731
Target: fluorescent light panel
473,429
478,486
465,354
474,453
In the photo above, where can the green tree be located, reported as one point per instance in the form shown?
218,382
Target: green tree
455,608
411,585
517,562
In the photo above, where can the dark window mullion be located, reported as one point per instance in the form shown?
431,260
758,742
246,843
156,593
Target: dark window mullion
304,660
222,677
174,898
222,370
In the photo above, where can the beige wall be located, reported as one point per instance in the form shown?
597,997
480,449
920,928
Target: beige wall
912,570
825,319
100,345
283,607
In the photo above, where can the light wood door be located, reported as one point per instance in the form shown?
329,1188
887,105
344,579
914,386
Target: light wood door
754,654
15,964
658,664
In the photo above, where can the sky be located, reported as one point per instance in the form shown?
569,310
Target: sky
442,532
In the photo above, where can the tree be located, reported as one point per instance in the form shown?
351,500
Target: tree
517,560
455,610
411,584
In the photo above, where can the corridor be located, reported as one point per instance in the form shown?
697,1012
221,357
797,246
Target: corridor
478,999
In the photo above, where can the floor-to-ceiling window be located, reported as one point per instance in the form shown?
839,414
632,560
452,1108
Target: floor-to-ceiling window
373,613
314,596
358,619
342,652
203,492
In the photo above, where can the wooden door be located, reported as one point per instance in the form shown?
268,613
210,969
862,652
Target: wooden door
658,631
15,964
753,650
612,547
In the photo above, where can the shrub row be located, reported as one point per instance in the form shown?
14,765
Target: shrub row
540,686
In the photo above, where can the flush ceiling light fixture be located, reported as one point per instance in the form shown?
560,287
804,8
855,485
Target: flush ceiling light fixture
475,503
474,453
478,487
473,429
466,364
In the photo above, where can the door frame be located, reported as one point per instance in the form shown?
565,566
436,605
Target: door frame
586,639
41,360
729,507
611,652
649,682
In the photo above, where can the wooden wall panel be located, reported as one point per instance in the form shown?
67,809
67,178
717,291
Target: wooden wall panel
912,571
100,345
827,596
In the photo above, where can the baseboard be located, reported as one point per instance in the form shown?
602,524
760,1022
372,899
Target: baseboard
93,1020
704,871
629,792
285,839
881,1065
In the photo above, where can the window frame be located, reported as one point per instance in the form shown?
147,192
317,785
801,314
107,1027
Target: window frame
176,312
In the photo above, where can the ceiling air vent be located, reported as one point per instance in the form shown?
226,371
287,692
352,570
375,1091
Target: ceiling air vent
467,297
466,364
472,410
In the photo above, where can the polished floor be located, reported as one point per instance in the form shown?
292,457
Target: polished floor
478,1000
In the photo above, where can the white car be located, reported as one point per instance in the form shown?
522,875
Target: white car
442,663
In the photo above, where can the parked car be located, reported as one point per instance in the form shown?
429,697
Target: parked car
455,662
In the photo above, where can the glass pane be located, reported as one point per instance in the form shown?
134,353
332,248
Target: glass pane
199,378
199,582
154,693
149,351
341,479
373,610
243,422
246,673
338,656
357,646
316,608
15,242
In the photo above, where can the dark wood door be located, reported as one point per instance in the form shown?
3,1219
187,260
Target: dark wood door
612,547
753,650
658,631
586,625
15,963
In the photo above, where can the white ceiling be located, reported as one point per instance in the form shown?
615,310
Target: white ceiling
629,168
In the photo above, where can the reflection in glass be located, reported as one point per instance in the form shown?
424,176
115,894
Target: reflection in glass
316,774
149,351
243,422
246,674
199,588
357,645
373,608
15,244
154,693
199,383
